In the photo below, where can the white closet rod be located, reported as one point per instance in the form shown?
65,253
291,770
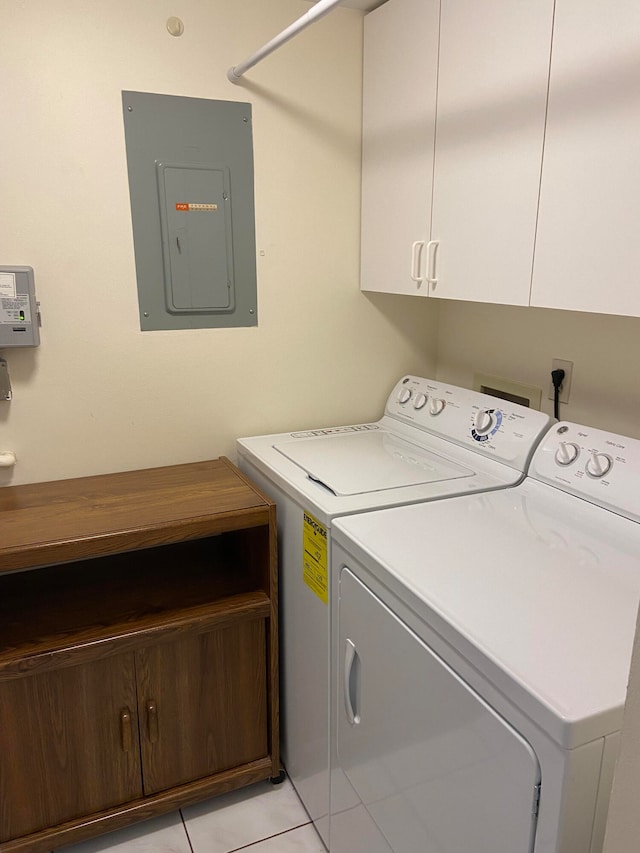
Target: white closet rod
315,13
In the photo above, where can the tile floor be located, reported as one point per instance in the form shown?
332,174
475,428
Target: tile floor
262,818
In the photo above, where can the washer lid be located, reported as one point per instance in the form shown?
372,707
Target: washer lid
368,461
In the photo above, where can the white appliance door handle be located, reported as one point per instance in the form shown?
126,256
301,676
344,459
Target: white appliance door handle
416,257
351,682
432,251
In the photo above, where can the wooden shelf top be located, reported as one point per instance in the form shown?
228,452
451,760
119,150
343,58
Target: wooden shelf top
66,520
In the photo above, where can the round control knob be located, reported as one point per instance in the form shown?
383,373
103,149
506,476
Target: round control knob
484,422
598,465
404,396
435,406
420,401
567,453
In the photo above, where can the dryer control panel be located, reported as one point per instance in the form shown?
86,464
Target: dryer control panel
497,428
601,467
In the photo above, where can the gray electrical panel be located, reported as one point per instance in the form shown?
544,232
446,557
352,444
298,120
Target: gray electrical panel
190,163
19,311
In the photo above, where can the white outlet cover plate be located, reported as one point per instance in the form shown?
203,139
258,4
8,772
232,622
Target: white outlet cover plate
567,366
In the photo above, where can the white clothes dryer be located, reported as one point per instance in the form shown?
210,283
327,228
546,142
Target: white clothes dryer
482,651
434,441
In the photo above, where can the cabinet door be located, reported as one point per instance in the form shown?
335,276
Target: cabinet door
400,68
69,744
587,249
426,764
203,704
492,90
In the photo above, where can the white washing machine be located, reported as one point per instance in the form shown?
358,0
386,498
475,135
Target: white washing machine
482,649
433,441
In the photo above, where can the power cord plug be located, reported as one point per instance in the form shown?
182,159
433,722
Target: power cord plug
557,378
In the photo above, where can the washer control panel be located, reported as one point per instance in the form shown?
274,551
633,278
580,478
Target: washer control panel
599,466
497,428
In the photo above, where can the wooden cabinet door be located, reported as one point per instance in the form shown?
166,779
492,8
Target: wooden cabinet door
492,89
587,248
400,72
202,704
68,746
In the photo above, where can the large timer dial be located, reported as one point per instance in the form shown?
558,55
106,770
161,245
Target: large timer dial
486,424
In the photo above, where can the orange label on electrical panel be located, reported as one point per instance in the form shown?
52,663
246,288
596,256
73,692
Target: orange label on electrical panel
181,205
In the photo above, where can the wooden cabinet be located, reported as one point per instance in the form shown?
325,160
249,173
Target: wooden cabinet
138,648
479,186
587,249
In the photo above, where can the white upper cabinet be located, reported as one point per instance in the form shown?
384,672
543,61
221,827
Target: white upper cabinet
492,92
400,72
496,169
488,61
588,244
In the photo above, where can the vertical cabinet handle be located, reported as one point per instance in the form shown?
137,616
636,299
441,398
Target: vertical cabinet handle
152,720
351,682
432,251
125,730
416,257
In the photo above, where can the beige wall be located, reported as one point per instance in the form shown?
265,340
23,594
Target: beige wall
519,344
98,395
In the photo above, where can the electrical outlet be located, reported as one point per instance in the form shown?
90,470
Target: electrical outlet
567,366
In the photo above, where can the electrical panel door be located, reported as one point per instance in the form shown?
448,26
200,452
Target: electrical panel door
197,238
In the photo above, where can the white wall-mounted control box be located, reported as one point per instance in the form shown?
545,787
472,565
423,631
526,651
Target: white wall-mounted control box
19,313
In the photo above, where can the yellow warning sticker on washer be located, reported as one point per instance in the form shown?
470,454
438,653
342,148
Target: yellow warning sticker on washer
314,557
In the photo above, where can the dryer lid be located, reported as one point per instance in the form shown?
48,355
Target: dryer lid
371,461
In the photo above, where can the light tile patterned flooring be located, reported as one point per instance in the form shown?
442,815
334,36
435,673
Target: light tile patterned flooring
262,818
